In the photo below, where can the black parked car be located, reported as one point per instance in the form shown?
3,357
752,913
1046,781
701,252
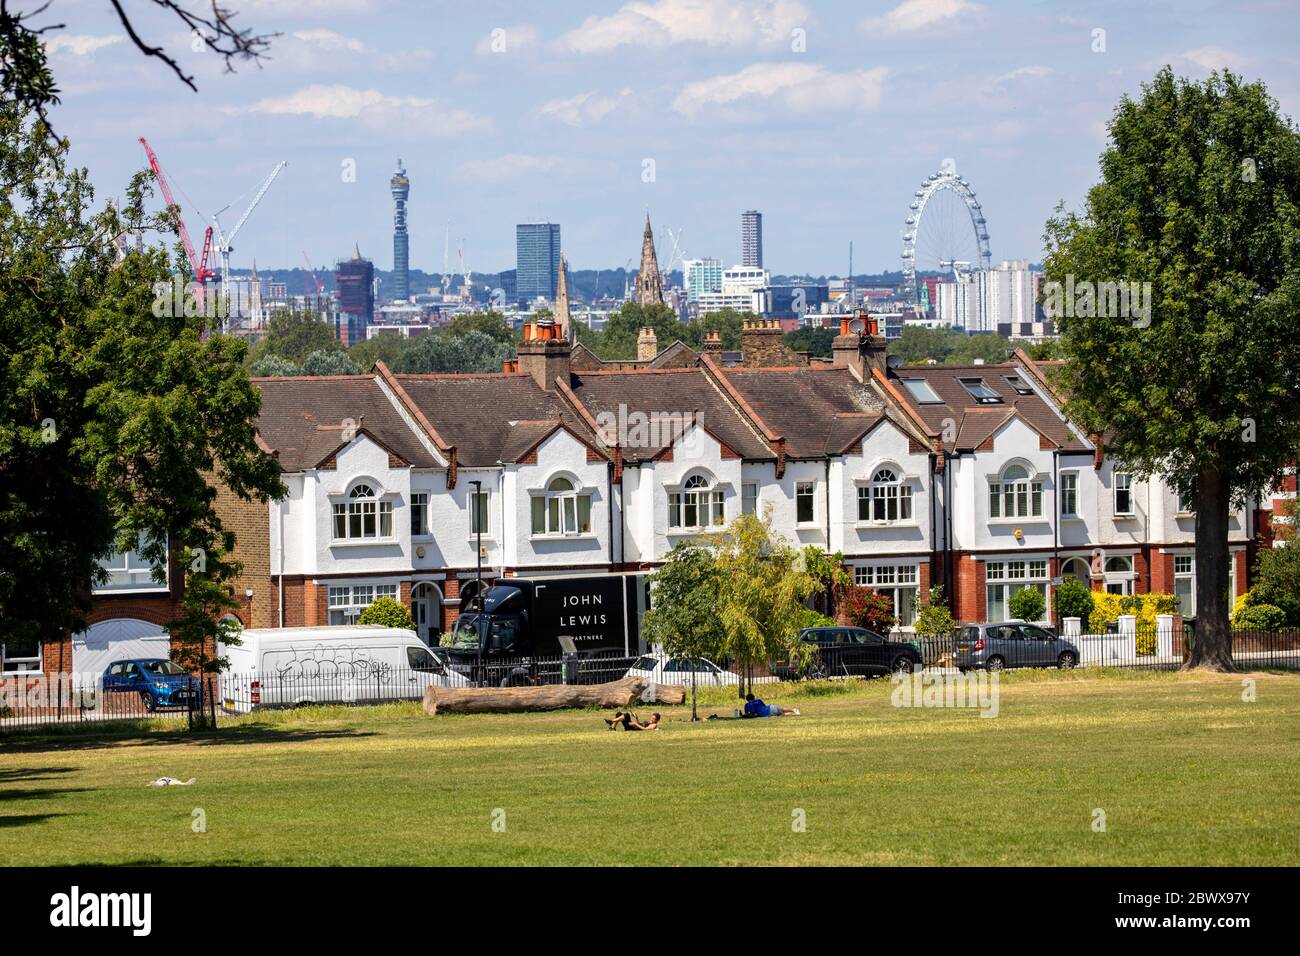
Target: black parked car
854,651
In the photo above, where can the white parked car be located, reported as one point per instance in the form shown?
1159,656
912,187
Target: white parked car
285,667
677,670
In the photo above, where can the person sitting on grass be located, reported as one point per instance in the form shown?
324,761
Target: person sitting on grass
629,721
754,707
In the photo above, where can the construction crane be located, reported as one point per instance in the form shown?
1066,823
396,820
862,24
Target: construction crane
224,246
320,289
467,288
199,265
446,246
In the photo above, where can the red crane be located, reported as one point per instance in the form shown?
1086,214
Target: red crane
320,289
200,265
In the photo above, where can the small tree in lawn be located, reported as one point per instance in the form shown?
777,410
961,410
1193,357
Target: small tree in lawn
387,612
761,593
684,615
205,622
1198,379
1028,604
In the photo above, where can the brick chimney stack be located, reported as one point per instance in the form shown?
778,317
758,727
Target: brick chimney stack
713,344
544,354
647,346
859,344
761,345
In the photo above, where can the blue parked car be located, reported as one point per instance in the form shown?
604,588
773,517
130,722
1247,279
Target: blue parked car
159,682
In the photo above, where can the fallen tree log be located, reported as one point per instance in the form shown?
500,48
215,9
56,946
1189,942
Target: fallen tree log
487,700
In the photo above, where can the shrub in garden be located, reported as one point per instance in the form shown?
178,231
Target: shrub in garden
863,607
386,612
1028,604
935,620
1259,617
1074,599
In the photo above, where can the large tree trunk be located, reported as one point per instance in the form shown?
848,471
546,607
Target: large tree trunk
485,700
1212,647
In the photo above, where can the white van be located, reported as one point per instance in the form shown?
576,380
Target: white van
287,666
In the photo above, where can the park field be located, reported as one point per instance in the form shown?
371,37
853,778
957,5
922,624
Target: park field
1184,770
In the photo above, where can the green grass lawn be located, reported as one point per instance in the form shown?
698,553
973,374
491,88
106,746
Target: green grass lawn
1185,771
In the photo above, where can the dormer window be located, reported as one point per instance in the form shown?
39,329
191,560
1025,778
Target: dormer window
1018,384
362,515
979,390
697,505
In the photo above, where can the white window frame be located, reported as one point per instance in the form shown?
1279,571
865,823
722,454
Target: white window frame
363,500
11,665
480,506
811,494
889,489
1186,576
700,496
894,581
749,498
1009,576
1122,481
1024,494
561,509
1123,579
138,578
345,602
420,527
1181,502
1070,492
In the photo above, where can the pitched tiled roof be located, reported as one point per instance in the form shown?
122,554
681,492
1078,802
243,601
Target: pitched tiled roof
490,417
302,418
804,405
958,415
669,392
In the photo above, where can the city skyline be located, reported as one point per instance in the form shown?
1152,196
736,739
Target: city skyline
823,116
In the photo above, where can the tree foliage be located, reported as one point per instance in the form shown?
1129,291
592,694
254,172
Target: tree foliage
935,620
762,592
1028,604
1074,599
114,410
293,336
387,612
1199,197
1277,580
473,351
329,362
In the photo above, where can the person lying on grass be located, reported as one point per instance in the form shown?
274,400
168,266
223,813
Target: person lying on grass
629,722
754,707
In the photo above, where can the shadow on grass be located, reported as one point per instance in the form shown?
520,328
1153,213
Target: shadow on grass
230,736
33,773
26,820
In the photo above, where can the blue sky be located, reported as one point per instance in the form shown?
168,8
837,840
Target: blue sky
823,115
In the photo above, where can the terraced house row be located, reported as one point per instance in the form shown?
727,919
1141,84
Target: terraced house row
562,464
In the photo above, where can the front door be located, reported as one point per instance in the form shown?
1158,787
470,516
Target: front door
426,612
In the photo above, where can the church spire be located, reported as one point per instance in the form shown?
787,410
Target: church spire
649,283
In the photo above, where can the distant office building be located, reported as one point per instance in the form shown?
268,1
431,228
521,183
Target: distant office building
537,260
744,289
401,189
355,281
701,276
509,287
751,239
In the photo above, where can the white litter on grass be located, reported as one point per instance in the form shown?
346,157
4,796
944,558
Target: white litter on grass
171,782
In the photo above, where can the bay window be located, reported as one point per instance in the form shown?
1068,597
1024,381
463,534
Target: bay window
697,505
898,582
348,601
561,510
362,516
887,499
1004,578
1015,495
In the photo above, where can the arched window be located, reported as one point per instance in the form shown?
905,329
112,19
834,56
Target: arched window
1077,568
697,505
1119,575
562,509
363,515
887,499
1014,494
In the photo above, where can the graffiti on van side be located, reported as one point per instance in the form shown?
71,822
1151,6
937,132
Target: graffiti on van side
332,663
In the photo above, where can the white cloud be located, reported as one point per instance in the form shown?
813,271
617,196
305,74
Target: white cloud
309,8
796,87
79,44
1216,58
330,41
417,116
520,38
585,109
918,15
660,23
1023,72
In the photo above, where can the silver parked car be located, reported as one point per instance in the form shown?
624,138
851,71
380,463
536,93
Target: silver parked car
1011,644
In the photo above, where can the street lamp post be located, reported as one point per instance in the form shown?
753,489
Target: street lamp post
474,508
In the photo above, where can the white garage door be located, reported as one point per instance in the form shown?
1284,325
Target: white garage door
108,641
